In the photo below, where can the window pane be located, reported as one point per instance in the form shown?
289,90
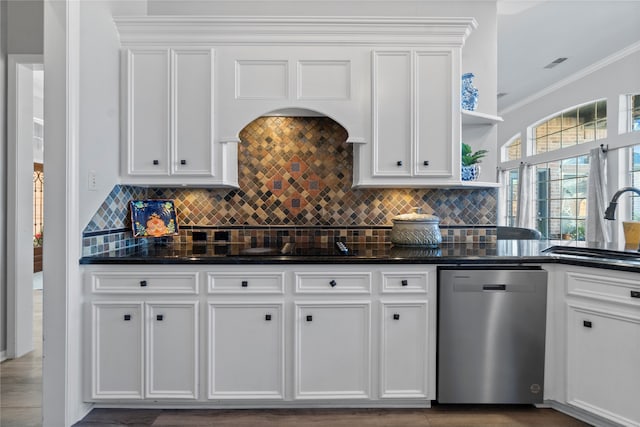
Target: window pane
512,197
542,145
513,151
635,181
587,114
569,119
561,198
569,137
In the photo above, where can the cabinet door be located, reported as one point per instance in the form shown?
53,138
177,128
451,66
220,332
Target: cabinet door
146,111
603,351
392,119
192,112
332,351
434,130
172,350
404,350
246,351
116,350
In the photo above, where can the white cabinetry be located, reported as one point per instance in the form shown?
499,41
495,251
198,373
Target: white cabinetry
603,344
117,355
171,350
141,345
246,351
414,121
403,349
129,338
168,119
332,350
269,335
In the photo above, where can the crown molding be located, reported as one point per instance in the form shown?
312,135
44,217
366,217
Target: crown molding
295,30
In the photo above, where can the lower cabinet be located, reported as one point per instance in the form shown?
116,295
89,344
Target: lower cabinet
144,350
602,344
403,350
603,352
332,351
265,336
246,351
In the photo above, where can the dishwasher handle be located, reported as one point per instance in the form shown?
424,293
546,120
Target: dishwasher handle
494,287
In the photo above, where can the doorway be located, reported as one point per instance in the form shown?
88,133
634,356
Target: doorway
25,147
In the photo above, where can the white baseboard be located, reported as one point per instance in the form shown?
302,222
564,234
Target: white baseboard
3,355
582,415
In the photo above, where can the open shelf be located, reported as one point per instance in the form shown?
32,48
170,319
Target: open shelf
475,118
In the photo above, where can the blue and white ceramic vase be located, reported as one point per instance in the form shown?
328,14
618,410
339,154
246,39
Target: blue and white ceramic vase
470,173
469,93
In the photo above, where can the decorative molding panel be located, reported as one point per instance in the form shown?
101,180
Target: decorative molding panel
324,80
262,80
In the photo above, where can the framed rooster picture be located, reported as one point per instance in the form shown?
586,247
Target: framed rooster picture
153,218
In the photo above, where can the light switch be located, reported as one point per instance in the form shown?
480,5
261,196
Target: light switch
93,181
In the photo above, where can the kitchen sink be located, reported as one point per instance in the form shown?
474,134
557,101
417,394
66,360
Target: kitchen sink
595,253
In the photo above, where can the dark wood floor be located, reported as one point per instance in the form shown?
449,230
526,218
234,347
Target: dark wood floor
21,406
438,416
21,380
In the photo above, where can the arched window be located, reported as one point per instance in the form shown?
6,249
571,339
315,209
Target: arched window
573,126
512,150
556,171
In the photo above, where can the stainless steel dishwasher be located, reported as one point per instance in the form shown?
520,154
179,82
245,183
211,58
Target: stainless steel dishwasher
491,334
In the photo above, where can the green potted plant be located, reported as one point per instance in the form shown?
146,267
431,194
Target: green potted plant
470,162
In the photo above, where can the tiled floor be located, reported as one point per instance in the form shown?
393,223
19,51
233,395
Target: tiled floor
21,406
21,380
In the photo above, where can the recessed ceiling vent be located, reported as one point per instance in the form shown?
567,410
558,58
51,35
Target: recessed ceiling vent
555,62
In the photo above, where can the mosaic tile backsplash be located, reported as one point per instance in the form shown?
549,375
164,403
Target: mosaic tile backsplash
298,172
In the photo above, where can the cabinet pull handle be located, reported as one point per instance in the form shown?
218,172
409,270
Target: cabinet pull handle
156,162
160,317
127,317
635,294
586,323
333,283
426,163
399,163
245,283
405,282
267,317
143,283
183,162
309,318
396,316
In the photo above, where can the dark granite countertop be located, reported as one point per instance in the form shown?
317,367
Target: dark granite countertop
500,252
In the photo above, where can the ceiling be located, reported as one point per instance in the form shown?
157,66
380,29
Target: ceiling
533,33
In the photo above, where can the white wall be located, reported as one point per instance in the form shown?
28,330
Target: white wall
3,180
22,33
25,32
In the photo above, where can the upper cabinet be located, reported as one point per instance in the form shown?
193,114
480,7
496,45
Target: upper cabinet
413,119
168,119
392,82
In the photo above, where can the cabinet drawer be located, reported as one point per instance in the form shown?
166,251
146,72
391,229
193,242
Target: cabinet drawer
405,283
249,283
320,283
603,288
148,283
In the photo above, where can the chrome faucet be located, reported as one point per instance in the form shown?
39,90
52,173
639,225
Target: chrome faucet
610,213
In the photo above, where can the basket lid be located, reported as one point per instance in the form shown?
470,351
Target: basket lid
416,215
